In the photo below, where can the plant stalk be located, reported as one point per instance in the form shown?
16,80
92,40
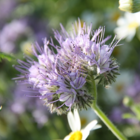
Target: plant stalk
103,117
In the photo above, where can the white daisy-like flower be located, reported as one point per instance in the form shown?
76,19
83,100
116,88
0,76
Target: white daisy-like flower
127,26
75,125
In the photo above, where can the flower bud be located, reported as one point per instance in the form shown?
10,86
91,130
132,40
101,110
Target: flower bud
129,5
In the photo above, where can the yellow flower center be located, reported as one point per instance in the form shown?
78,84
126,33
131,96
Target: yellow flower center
77,135
133,25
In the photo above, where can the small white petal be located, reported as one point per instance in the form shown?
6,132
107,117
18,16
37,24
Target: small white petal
97,127
84,134
77,119
91,125
71,121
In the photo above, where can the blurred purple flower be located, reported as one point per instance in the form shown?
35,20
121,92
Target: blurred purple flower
116,115
21,103
9,34
134,89
38,27
6,8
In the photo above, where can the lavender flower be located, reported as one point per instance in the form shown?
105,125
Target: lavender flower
62,74
19,104
6,8
133,89
88,51
7,38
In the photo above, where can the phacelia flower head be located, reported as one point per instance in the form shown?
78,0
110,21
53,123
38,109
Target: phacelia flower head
62,74
87,52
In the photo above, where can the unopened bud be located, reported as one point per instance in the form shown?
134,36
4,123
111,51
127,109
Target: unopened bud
132,6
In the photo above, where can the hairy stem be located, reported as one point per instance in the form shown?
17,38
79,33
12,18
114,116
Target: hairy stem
103,117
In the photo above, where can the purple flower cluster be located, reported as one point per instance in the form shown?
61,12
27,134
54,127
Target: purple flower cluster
62,73
21,104
9,35
133,89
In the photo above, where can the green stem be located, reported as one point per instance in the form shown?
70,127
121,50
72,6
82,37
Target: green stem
103,117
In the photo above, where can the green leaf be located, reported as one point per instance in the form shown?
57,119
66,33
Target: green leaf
6,56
